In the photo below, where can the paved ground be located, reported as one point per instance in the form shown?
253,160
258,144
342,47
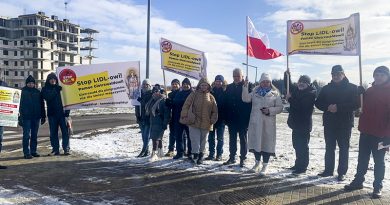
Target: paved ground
79,180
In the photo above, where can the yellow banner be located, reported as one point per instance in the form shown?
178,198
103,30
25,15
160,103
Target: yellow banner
182,60
5,95
88,88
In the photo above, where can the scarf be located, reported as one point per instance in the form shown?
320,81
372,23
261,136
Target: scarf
262,91
152,105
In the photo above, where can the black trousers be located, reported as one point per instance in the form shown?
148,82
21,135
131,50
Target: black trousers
300,140
341,136
242,132
172,137
367,145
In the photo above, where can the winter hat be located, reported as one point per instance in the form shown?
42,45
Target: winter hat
305,79
175,81
30,79
186,81
146,82
203,80
382,69
156,88
337,69
51,76
219,77
265,76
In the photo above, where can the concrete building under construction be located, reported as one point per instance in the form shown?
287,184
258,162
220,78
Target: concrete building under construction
35,44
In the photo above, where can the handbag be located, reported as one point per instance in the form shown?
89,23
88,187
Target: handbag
190,119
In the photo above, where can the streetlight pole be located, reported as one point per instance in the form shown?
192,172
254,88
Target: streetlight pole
147,41
252,67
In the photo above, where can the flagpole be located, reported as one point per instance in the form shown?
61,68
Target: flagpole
165,82
148,41
247,45
288,69
360,68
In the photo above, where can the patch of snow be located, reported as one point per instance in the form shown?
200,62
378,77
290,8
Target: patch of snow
124,143
24,195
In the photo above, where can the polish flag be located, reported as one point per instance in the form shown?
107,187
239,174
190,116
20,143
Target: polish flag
258,44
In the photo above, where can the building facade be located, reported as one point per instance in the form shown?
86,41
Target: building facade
36,45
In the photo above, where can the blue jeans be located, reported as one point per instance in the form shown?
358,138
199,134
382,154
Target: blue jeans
30,141
145,132
54,123
219,129
172,140
367,145
1,137
181,140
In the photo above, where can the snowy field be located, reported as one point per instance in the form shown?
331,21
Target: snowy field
124,143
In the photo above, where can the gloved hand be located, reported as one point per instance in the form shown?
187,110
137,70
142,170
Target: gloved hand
361,90
59,88
43,120
139,99
20,121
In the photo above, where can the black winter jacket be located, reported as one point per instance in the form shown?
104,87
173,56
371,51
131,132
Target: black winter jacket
219,95
52,95
345,96
177,104
237,112
301,107
31,104
141,112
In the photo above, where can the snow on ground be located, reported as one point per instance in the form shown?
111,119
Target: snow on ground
99,111
24,195
124,143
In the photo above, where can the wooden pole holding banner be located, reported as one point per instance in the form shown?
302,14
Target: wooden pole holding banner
247,46
165,83
288,77
360,68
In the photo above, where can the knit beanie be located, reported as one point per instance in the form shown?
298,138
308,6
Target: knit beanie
219,77
305,79
186,81
175,81
30,79
337,69
265,76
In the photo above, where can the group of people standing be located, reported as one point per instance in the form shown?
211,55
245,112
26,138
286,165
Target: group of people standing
198,115
32,114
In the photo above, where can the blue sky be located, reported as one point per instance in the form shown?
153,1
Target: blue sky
218,28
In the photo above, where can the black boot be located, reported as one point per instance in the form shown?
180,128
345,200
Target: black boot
141,153
200,158
146,153
242,162
230,161
210,157
194,158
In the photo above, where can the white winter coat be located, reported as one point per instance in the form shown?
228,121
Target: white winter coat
262,128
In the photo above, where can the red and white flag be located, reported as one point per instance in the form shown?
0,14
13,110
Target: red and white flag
258,44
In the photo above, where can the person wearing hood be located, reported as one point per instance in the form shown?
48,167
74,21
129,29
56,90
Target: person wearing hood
143,117
158,119
58,117
266,104
177,104
4,84
338,100
175,87
374,127
237,117
301,98
31,113
218,91
204,107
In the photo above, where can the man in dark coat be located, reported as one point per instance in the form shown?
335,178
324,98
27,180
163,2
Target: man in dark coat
338,100
32,112
237,117
301,99
143,117
374,127
175,86
177,105
58,117
4,84
218,91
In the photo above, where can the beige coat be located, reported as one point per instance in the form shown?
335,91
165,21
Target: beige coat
262,128
204,107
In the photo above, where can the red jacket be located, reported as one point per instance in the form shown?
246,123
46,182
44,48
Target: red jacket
375,119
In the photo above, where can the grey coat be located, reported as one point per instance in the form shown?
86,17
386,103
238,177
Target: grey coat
159,122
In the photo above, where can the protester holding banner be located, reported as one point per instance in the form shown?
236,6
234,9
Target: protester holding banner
58,117
177,106
175,86
374,126
32,112
237,117
143,117
4,84
159,118
338,100
203,106
266,104
218,91
301,98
